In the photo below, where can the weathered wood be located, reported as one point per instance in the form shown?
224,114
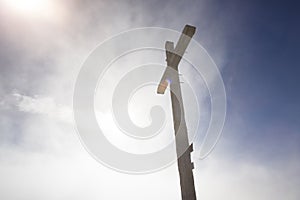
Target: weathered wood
171,76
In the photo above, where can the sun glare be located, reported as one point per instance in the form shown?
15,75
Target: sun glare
37,8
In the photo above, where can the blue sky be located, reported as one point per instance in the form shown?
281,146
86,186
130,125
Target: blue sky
261,75
255,45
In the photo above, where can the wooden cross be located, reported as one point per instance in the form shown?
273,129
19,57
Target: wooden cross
171,77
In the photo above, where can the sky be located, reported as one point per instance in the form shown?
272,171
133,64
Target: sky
255,45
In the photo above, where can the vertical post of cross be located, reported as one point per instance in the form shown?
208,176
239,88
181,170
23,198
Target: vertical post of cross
171,76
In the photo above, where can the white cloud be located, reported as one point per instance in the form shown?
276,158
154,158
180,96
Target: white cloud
43,105
222,178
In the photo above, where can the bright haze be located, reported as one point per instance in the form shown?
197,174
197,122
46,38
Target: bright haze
43,44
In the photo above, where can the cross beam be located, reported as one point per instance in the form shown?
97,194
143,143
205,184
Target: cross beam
171,77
